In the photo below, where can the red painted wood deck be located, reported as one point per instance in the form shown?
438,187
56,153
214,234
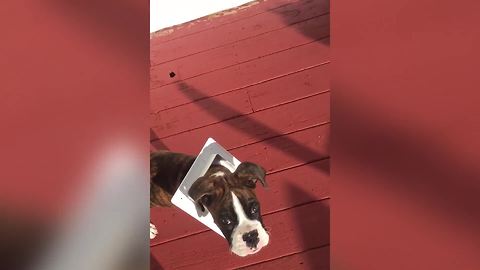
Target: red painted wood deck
256,79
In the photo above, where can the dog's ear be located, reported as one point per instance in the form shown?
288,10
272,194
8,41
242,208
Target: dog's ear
249,173
206,190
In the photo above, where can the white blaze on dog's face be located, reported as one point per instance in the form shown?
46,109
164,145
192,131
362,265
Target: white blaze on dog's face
249,236
218,174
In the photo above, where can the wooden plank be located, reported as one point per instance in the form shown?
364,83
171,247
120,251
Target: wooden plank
219,19
288,88
242,51
289,150
286,189
293,230
222,35
283,89
239,76
254,127
318,259
200,113
284,151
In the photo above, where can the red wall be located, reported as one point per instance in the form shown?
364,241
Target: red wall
405,134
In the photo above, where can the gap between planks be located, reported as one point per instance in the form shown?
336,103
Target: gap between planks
245,86
252,112
273,137
284,256
247,61
240,40
297,165
280,135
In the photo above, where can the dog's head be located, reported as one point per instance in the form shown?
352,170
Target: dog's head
230,198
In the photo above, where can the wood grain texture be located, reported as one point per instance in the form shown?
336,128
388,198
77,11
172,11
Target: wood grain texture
228,33
292,231
248,129
238,76
241,51
286,189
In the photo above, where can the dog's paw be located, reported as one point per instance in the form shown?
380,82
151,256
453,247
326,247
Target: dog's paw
153,231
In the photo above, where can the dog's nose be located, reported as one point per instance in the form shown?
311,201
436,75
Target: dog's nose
251,238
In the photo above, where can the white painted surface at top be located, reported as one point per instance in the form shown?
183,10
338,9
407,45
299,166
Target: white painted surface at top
165,13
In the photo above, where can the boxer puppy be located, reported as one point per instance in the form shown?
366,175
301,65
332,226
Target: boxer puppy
229,197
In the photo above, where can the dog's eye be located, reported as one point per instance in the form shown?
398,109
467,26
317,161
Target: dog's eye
226,221
254,209
251,183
